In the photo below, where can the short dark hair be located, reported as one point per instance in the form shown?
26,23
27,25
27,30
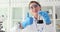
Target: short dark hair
34,2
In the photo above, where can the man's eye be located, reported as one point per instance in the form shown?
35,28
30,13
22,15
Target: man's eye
31,7
35,6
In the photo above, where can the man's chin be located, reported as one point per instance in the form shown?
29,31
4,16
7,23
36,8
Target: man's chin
35,13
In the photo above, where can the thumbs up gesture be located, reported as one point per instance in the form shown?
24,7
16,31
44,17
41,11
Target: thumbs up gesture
27,21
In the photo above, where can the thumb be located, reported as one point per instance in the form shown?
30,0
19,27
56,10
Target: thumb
27,15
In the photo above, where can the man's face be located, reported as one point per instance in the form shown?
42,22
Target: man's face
34,8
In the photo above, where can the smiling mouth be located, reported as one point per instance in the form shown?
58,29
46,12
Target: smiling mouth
35,11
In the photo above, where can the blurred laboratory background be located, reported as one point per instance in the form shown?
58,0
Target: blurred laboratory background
14,11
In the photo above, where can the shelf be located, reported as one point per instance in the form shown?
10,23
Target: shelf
57,19
16,19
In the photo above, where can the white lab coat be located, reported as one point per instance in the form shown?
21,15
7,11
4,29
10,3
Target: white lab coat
34,27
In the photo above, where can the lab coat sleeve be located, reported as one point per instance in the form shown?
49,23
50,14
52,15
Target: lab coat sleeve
13,29
45,16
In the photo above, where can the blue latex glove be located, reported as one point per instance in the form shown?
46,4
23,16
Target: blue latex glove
27,21
45,16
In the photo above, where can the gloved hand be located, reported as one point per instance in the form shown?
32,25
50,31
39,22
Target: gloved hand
27,21
45,16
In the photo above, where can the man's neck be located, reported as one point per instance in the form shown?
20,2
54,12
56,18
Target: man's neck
36,16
